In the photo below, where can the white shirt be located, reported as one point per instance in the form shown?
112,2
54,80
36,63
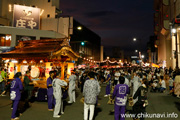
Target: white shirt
163,84
117,75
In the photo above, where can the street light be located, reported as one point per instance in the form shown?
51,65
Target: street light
174,31
136,51
134,39
142,56
79,28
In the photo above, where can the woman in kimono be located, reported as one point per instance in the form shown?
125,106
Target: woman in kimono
140,106
136,84
15,94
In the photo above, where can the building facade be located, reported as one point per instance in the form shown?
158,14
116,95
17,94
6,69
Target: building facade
85,42
51,25
166,17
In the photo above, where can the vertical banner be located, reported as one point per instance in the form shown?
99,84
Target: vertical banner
26,17
48,69
11,70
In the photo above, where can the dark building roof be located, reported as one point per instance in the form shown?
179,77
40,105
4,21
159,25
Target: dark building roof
41,49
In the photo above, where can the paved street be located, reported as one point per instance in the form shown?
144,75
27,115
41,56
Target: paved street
158,103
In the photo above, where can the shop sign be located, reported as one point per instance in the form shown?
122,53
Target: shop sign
26,17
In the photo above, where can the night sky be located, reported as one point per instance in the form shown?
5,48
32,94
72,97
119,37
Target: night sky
117,22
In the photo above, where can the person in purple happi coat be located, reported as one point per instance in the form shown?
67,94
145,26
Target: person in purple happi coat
120,92
108,87
51,100
15,93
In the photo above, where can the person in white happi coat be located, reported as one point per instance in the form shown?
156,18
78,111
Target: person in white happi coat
57,92
72,86
136,85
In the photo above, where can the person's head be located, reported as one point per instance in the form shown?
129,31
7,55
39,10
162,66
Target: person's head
84,74
91,74
58,75
18,75
2,69
72,72
161,77
51,73
144,81
27,72
121,80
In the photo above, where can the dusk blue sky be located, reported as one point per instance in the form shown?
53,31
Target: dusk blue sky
115,21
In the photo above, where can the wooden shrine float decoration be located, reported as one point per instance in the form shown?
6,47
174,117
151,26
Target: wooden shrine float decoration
46,53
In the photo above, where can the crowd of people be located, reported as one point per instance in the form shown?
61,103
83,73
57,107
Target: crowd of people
121,85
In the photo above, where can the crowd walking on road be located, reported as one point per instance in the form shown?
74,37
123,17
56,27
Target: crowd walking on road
124,87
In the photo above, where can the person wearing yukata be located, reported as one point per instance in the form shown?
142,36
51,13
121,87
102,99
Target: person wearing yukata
15,93
120,92
108,87
139,108
51,100
72,86
136,84
57,92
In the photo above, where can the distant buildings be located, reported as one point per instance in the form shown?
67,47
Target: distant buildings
115,53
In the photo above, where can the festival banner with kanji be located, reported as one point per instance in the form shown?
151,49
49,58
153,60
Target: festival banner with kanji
26,17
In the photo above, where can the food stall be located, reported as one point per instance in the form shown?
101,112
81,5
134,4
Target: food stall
40,57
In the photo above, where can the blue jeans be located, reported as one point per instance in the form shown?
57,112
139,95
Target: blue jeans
2,86
162,89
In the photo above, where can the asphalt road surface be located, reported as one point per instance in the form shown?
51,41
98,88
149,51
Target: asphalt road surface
159,103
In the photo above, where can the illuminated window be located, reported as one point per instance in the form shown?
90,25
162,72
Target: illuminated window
5,40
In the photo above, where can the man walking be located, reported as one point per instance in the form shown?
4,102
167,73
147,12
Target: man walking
90,92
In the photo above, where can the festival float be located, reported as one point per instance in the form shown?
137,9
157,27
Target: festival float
40,57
